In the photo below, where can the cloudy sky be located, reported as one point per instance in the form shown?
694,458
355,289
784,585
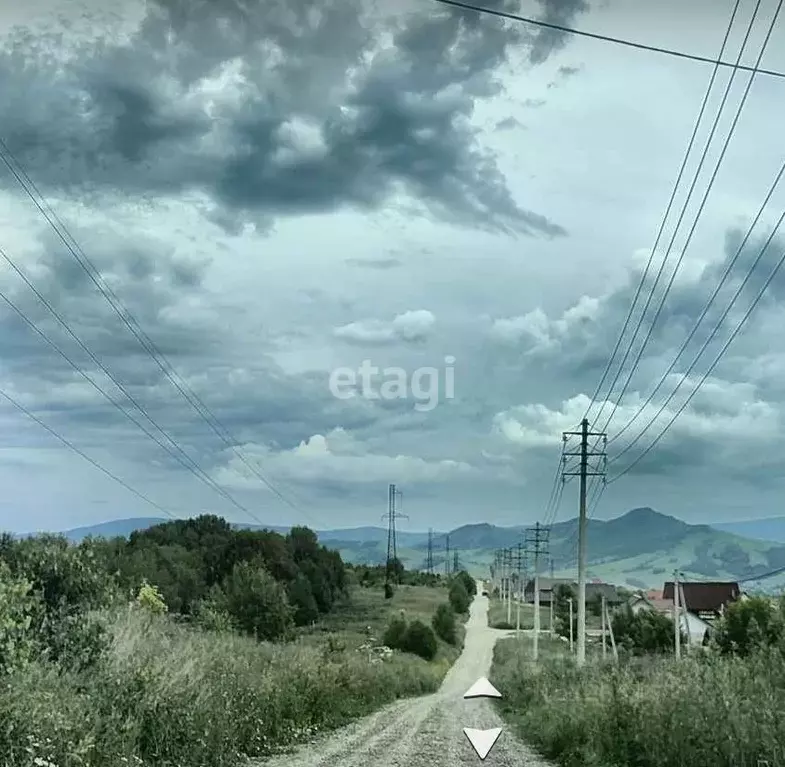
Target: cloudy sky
216,216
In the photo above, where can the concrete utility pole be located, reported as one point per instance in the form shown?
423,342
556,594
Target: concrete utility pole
516,559
676,615
683,603
604,624
610,631
536,546
447,556
571,636
583,472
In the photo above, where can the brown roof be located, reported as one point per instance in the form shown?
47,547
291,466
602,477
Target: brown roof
705,596
653,594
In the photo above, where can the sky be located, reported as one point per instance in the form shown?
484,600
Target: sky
219,217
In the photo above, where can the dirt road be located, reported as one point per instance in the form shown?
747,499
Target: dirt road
427,731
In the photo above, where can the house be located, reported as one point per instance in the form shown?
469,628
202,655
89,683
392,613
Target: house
695,628
607,590
547,587
706,600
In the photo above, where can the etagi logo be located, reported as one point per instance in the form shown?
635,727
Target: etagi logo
424,385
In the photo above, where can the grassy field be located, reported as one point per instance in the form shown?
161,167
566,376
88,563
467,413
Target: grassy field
497,616
653,712
168,695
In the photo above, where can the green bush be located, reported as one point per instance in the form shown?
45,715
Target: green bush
395,634
459,597
444,624
419,639
256,602
468,582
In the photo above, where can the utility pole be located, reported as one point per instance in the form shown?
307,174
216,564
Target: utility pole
609,624
391,573
551,568
447,556
571,637
604,623
536,546
676,615
584,471
455,567
429,558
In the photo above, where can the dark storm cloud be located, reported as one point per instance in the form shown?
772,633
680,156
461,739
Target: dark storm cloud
135,118
559,13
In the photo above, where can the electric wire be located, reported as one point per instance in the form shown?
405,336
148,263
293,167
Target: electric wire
708,372
181,456
702,205
672,199
704,312
607,38
27,184
82,454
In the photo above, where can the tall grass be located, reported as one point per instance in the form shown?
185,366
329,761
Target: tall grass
651,712
164,694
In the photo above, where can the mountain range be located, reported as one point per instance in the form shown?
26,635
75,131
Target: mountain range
640,549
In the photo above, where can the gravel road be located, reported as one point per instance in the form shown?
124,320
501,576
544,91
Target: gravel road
426,731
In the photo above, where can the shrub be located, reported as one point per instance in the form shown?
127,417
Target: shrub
443,623
256,601
395,634
419,639
468,582
150,599
459,597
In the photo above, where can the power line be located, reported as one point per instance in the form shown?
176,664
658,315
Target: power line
84,455
714,364
702,316
664,220
609,38
24,180
180,455
701,207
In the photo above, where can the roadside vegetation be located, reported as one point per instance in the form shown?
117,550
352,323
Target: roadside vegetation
196,644
722,705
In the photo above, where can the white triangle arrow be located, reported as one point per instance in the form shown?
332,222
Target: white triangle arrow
482,688
482,740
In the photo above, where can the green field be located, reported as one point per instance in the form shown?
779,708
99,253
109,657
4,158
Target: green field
165,694
650,712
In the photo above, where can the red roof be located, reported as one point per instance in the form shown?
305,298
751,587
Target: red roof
705,596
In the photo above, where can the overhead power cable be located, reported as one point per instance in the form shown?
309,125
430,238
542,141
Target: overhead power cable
177,453
713,365
73,247
608,38
639,356
92,461
660,231
704,312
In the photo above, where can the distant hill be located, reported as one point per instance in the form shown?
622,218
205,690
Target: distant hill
640,548
355,535
771,529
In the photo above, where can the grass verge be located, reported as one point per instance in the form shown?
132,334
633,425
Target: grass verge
648,712
164,694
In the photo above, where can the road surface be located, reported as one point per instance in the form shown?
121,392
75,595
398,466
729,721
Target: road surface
426,731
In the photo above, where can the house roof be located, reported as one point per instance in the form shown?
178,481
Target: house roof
653,594
548,584
658,604
608,590
709,596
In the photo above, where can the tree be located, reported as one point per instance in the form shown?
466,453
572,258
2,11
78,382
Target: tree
443,623
750,624
256,601
459,597
395,634
419,639
644,632
302,600
468,582
561,611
